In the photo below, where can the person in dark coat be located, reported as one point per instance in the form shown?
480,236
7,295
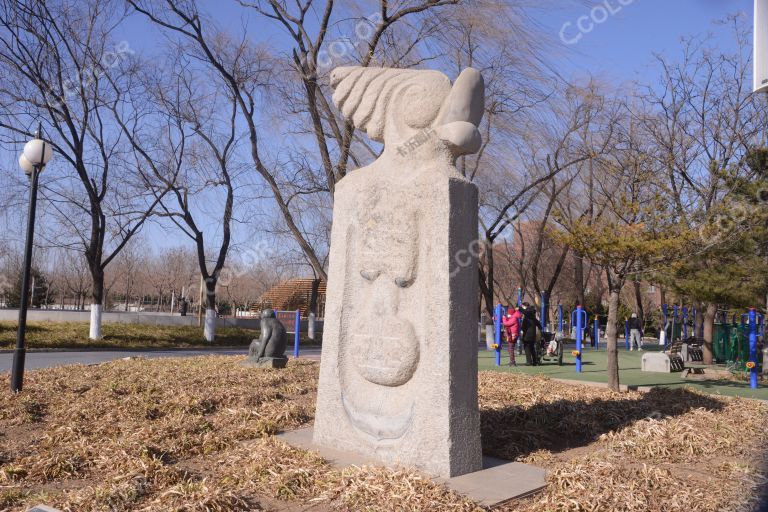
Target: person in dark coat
530,324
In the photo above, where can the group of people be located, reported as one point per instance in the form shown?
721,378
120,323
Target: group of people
520,325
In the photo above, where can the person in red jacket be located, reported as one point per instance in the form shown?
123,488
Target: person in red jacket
512,321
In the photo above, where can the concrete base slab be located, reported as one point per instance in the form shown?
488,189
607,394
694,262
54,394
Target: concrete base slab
43,508
656,362
498,482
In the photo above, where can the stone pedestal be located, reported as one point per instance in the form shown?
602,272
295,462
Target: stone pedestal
398,378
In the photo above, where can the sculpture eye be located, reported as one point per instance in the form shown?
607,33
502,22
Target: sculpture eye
403,282
370,275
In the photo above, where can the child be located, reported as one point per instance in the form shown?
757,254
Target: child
552,348
512,321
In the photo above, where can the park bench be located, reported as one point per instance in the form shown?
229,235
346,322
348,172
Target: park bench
692,350
692,354
674,352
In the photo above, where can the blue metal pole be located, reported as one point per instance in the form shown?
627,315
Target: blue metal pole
597,333
675,318
685,322
520,303
753,348
297,334
497,334
694,321
626,333
544,311
579,327
665,312
560,319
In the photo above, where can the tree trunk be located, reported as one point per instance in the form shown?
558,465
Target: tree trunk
578,278
313,296
486,278
639,302
709,332
209,330
97,301
611,333
699,323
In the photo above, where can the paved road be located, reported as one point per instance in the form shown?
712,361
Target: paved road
37,360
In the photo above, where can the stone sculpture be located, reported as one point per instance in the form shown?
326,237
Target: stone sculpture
269,350
398,377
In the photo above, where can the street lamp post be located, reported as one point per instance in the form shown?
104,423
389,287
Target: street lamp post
36,154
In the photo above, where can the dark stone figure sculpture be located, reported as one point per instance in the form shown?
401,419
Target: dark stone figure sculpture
269,350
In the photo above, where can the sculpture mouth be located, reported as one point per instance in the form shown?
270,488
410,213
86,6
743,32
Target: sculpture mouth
379,427
389,358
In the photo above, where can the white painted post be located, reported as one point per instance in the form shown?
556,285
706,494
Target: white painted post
210,325
311,326
95,331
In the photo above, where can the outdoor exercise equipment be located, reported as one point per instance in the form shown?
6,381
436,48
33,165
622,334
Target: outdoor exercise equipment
557,336
579,318
596,335
674,331
735,343
675,318
752,363
544,312
497,333
685,323
285,318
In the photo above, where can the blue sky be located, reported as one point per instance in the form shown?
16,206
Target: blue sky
622,47
617,49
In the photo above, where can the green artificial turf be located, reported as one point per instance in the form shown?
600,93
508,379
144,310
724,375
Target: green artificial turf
594,370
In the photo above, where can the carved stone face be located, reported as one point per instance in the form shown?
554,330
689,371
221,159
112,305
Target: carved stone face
381,344
386,349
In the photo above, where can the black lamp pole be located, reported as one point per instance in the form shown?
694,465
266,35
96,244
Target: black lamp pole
17,371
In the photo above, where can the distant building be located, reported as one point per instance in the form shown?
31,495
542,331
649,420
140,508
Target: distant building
303,294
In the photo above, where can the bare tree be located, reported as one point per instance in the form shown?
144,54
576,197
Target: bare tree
61,63
557,147
703,120
630,234
196,159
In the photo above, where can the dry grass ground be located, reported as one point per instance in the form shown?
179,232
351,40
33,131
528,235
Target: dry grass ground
196,435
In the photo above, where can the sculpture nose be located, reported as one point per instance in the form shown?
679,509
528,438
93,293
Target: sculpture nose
384,297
